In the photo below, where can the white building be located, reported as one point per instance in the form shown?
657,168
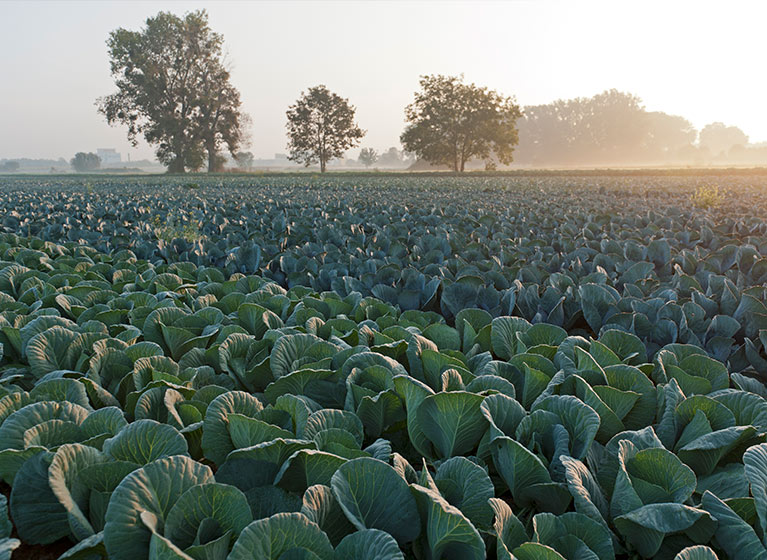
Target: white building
109,156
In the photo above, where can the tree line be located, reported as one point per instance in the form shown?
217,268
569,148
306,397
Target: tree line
174,89
613,127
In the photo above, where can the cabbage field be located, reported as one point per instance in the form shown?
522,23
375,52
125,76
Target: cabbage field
301,367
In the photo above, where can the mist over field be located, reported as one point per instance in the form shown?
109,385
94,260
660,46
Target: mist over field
682,67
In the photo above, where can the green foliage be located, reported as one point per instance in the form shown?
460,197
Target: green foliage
453,386
173,89
368,156
321,127
451,122
83,162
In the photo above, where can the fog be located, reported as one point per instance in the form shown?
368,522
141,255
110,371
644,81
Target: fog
697,60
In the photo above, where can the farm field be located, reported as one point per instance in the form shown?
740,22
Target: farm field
282,367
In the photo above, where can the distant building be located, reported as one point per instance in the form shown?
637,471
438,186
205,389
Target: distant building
109,156
280,161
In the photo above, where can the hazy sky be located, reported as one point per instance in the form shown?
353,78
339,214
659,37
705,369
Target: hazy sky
701,60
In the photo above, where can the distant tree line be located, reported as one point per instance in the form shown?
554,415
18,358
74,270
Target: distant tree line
392,158
27,165
174,90
614,128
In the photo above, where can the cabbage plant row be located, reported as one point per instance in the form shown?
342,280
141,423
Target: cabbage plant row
444,371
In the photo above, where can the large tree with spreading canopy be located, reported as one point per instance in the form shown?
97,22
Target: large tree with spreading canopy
174,89
451,122
321,127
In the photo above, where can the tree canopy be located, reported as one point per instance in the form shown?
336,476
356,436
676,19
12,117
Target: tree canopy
173,88
321,127
83,162
368,156
244,160
451,122
609,128
718,137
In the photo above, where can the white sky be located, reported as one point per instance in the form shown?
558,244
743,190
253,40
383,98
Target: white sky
702,60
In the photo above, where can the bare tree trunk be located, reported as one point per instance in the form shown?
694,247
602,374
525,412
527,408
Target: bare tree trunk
178,163
212,163
322,166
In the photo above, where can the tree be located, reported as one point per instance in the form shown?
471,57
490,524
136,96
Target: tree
609,128
220,120
244,160
173,88
321,127
545,134
452,122
669,133
718,138
10,167
83,162
368,156
391,158
614,126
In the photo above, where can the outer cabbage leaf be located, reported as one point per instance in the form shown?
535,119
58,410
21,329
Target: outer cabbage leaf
448,532
372,544
279,536
144,441
360,486
154,488
37,514
221,506
452,421
646,527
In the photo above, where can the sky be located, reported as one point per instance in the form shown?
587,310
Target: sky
702,60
